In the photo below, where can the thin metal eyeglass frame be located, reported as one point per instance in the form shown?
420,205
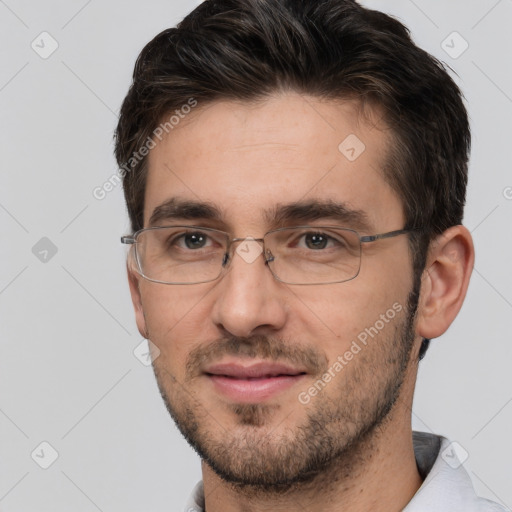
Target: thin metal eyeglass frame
132,240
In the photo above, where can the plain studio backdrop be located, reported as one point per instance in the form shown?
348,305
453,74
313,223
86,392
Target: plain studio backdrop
74,396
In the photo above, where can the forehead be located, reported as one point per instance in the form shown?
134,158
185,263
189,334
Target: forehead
248,158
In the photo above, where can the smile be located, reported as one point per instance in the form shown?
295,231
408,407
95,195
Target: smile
254,383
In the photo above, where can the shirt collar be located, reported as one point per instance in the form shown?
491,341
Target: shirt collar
447,485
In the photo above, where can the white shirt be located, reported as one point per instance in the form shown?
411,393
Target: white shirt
446,486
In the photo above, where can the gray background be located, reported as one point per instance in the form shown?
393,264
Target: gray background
68,374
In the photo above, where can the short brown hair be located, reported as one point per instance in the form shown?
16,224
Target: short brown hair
331,49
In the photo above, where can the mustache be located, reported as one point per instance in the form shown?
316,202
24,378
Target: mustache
256,347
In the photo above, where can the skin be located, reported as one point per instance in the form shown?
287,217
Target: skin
247,158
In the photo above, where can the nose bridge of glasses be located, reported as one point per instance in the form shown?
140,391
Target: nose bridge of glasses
245,239
249,248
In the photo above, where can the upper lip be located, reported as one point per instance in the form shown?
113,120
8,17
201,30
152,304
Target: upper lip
256,370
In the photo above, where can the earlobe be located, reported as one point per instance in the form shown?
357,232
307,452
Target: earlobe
445,281
133,281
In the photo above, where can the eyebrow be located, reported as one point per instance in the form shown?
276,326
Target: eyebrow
315,209
181,209
280,215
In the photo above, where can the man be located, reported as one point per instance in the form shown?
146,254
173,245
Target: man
295,175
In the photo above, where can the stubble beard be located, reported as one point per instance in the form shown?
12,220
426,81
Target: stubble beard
339,433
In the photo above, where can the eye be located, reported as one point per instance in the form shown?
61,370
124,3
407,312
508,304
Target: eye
316,241
196,240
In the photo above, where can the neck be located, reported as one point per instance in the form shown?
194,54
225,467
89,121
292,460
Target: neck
378,474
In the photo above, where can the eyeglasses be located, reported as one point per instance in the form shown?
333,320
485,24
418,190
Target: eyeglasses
303,255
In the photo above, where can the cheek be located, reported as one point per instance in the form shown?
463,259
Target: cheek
338,314
166,306
176,320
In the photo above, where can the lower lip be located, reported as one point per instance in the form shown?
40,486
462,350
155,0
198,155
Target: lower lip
253,390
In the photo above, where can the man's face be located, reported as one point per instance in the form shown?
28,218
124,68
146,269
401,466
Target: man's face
241,357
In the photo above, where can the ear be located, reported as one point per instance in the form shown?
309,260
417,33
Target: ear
133,280
445,281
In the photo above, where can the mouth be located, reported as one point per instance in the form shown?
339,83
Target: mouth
252,383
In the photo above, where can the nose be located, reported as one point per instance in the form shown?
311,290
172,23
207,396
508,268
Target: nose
248,300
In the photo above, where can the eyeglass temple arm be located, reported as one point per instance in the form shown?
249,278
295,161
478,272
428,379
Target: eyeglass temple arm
127,240
390,234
